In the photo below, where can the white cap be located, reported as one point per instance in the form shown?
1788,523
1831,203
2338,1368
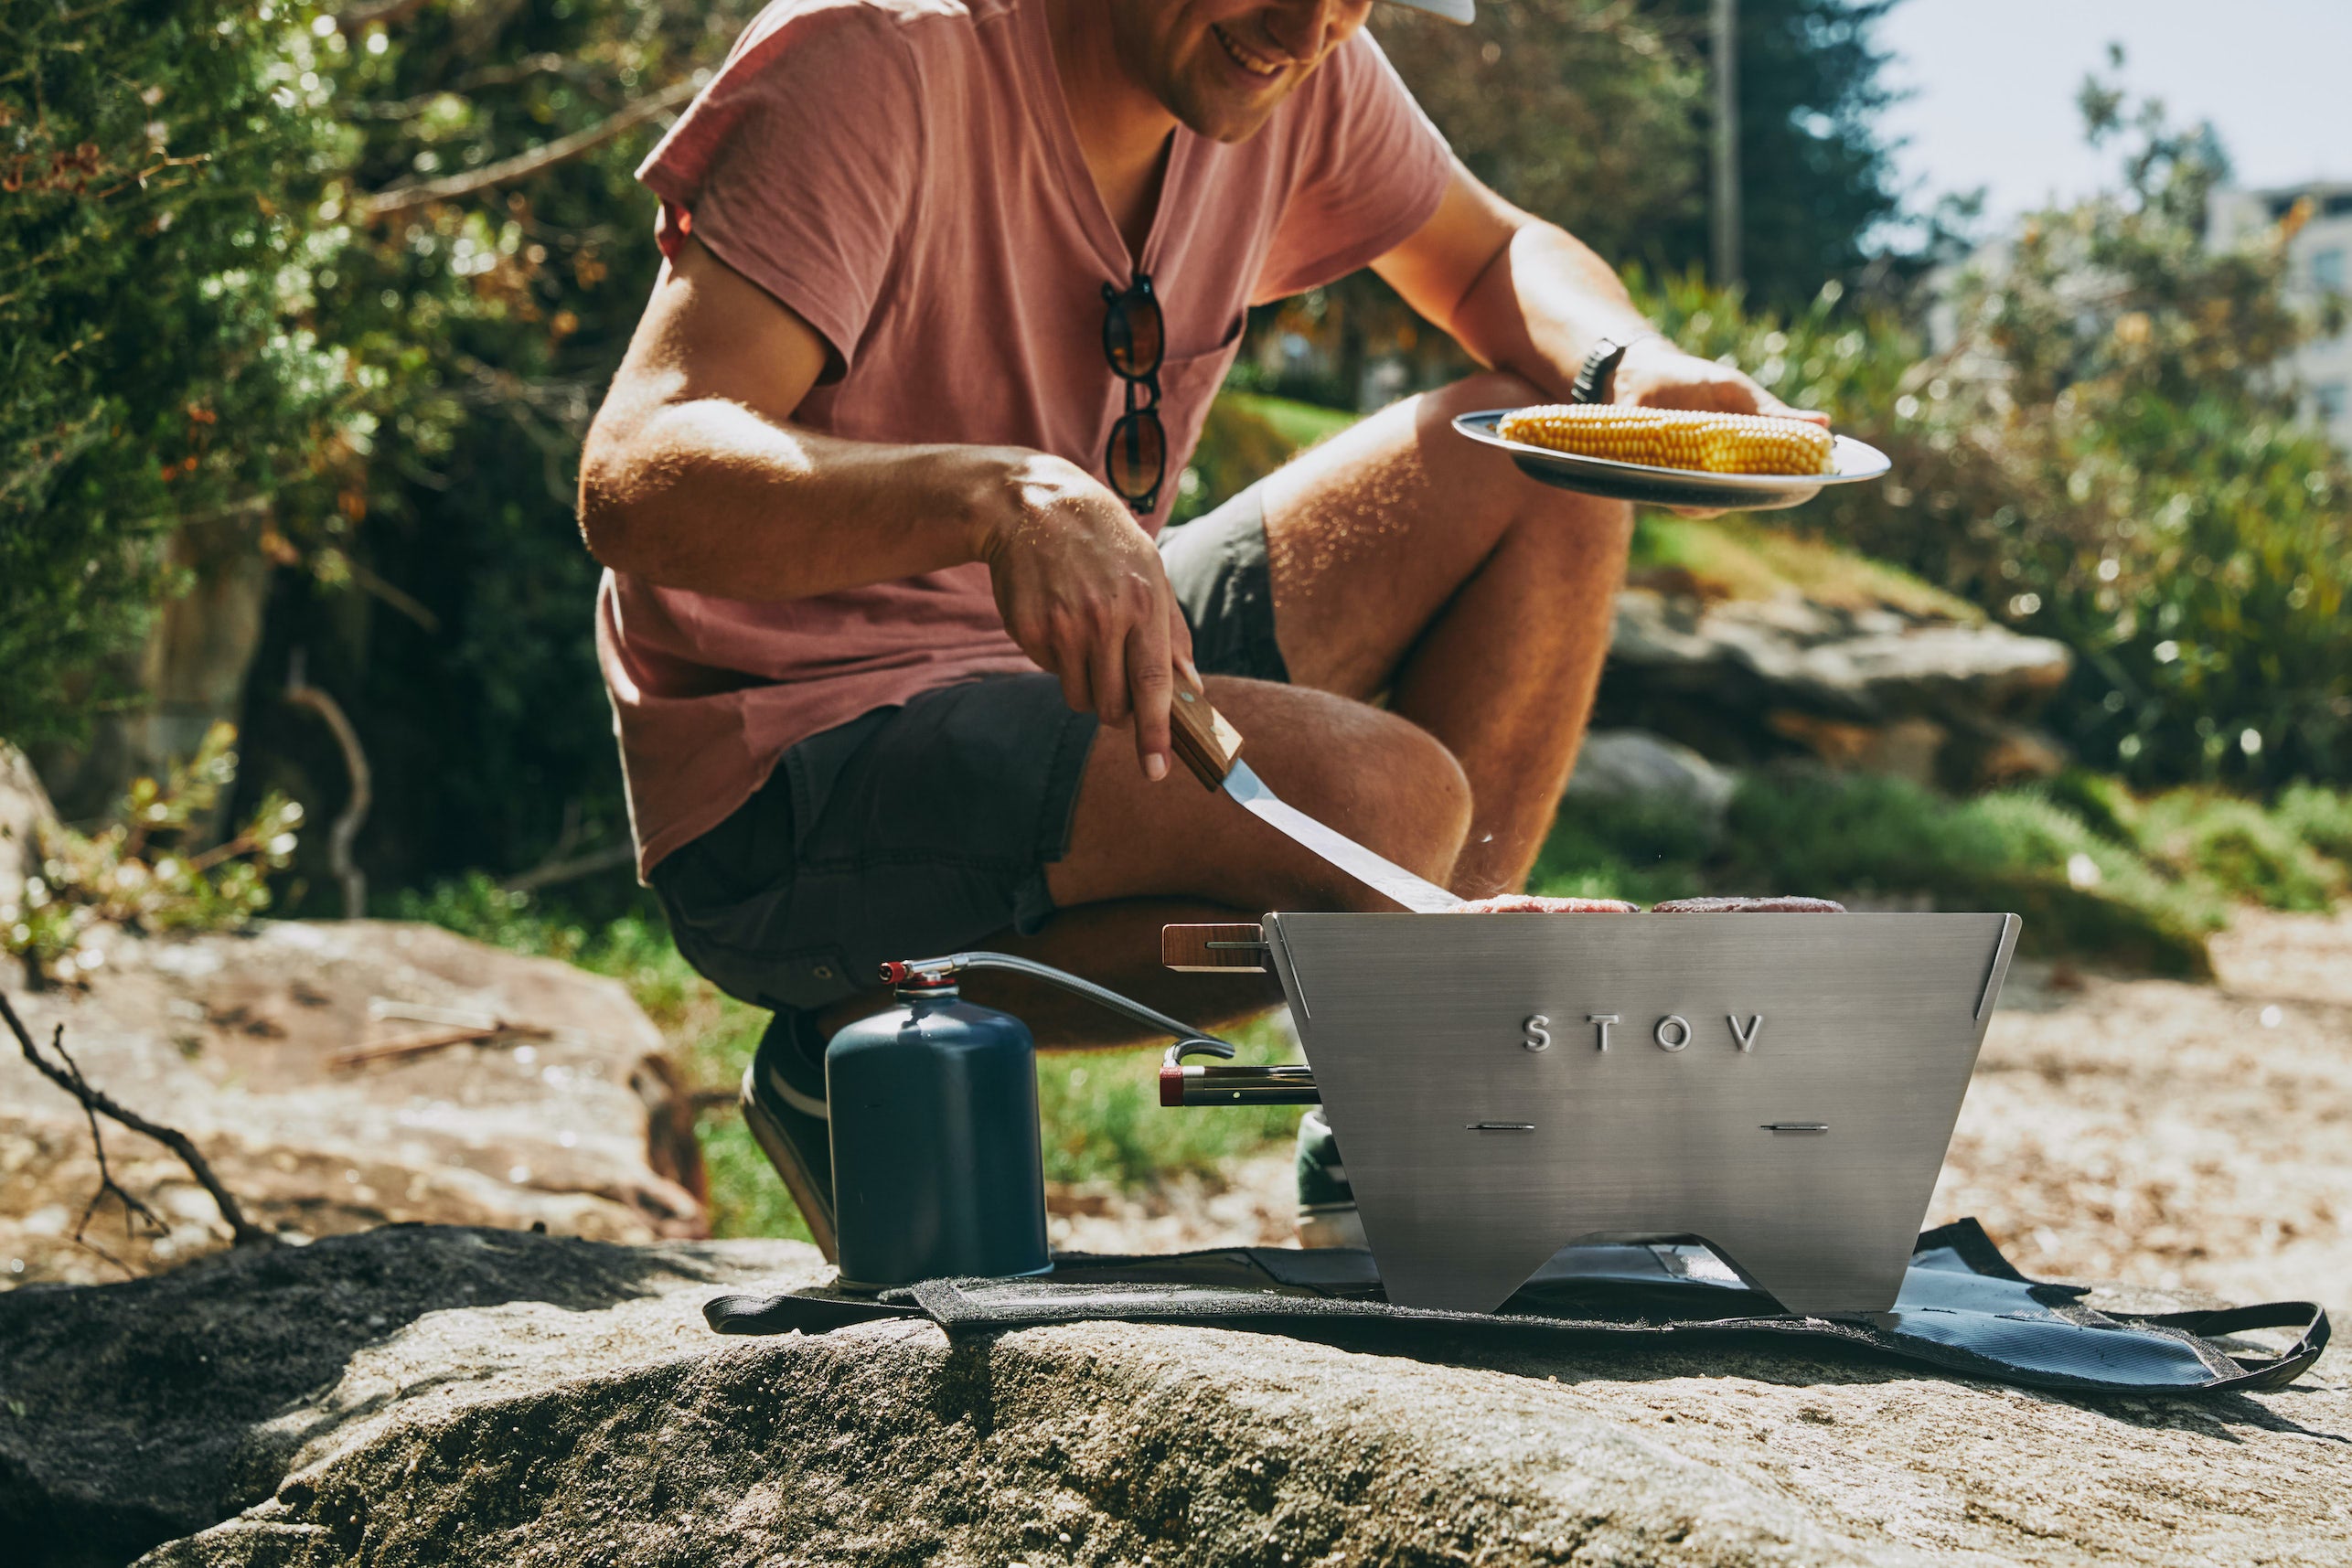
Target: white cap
1451,10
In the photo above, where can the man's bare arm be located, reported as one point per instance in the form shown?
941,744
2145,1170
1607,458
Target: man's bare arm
693,477
1526,296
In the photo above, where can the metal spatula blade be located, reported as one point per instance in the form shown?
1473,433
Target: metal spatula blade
1211,747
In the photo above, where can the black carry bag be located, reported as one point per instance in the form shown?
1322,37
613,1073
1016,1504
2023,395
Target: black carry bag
1963,1309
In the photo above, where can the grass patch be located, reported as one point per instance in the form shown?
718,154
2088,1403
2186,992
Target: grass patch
1739,558
2320,817
2095,872
2236,846
1300,425
1104,1121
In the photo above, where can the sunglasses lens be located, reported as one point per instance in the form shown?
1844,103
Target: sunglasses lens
1138,459
1133,334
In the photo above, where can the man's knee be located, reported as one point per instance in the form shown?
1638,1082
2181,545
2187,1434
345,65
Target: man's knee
1491,474
1395,786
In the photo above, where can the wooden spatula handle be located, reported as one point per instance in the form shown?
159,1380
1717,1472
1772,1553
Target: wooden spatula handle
1204,742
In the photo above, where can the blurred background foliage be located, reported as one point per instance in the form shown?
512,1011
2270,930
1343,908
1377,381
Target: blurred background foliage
304,310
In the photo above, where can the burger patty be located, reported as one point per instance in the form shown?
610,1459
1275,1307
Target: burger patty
1784,904
1528,903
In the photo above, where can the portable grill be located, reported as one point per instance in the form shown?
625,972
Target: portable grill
1780,1086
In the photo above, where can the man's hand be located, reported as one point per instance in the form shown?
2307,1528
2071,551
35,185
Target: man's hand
1083,593
1655,374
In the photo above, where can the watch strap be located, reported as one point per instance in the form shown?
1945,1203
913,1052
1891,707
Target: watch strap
1591,385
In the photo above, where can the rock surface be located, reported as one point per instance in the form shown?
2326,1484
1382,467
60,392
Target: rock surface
1633,766
565,1404
1873,687
229,1039
149,1410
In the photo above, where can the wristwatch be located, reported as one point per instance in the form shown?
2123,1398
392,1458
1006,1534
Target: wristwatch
1591,385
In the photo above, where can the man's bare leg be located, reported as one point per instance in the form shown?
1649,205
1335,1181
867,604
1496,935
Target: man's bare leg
1409,560
1143,855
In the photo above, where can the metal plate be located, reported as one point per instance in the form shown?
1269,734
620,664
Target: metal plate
1676,487
1474,1157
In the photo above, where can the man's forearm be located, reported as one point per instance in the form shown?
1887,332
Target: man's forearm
1540,305
710,496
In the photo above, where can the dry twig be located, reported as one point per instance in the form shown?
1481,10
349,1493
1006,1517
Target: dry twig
96,1103
415,1045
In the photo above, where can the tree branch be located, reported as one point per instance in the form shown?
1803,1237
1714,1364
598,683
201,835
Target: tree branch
547,875
300,693
96,1103
368,12
562,150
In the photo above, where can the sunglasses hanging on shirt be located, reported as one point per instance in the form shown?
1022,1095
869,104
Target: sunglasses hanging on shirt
1135,338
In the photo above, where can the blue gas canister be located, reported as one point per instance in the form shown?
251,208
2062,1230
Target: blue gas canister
936,1171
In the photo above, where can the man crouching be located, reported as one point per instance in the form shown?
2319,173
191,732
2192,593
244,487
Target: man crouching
949,286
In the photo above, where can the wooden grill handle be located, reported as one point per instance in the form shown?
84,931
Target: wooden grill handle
1211,949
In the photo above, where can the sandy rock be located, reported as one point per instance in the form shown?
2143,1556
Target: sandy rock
2170,1135
1874,687
565,1404
230,1038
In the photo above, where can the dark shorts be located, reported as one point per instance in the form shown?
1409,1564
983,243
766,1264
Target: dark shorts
915,831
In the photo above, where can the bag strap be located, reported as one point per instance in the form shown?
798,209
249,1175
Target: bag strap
783,1314
2260,1372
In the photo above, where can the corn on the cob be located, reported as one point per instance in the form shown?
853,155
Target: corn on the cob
1674,438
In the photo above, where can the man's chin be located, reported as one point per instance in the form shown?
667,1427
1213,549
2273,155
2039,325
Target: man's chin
1228,117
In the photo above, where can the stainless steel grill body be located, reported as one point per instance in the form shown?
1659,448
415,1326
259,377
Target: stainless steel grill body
1781,1086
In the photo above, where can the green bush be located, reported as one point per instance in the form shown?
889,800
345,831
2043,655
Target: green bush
2096,872
1805,831
1622,851
2320,817
2241,849
154,868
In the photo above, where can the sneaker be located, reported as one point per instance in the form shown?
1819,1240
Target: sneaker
783,1105
1327,1212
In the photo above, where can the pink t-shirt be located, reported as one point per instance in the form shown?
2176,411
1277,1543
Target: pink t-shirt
902,175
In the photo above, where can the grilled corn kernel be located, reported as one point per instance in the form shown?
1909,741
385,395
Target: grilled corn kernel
1674,438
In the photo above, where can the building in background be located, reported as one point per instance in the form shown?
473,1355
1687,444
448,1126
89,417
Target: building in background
2320,258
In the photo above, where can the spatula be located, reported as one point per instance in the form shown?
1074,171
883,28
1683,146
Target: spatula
1211,747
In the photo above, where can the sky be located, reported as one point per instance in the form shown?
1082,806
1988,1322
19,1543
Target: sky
1994,83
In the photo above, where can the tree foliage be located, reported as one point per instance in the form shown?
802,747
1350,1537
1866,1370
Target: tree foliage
1818,189
1596,114
456,625
2102,447
158,342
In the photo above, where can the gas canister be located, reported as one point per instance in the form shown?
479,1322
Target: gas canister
936,1171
